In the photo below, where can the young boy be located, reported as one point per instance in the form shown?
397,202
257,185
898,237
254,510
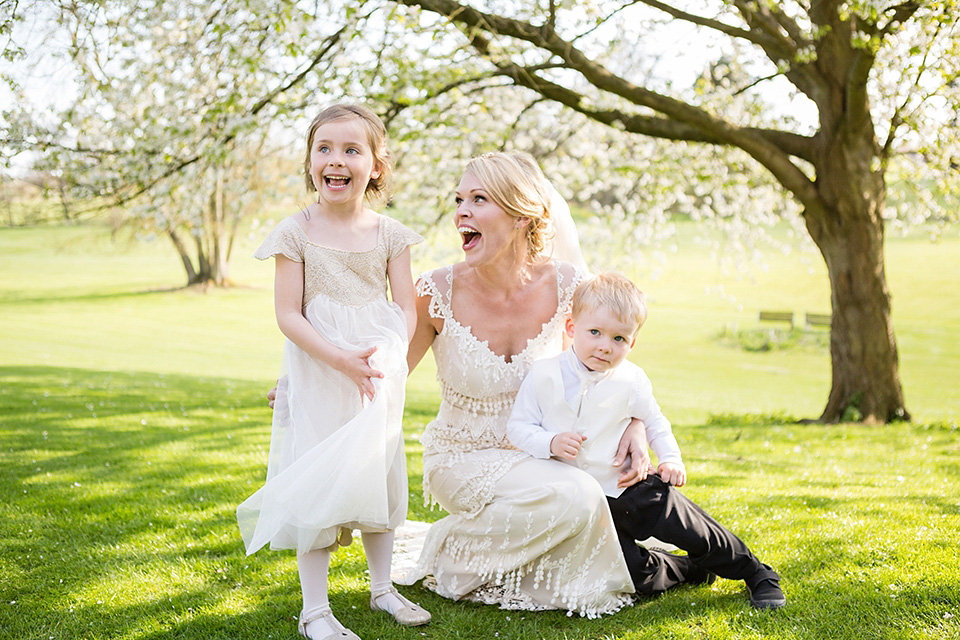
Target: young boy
575,407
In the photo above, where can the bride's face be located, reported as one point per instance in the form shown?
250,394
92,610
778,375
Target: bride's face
487,231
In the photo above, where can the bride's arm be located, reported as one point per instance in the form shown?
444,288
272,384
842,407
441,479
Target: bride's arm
424,334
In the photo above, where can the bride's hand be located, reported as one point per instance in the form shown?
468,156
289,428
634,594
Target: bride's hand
272,397
632,454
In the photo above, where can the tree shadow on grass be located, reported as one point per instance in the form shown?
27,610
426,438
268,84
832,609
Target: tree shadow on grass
117,499
29,298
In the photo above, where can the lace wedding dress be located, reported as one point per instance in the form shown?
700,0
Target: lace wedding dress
522,533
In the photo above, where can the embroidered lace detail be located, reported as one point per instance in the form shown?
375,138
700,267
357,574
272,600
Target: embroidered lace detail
426,286
477,386
569,559
473,490
351,278
494,404
581,595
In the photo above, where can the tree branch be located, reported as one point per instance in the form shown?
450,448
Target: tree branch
761,18
325,48
683,121
730,30
512,128
897,119
605,19
574,59
43,145
396,107
123,198
901,13
665,128
802,74
789,25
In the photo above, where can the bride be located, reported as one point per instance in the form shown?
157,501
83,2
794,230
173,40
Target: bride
522,533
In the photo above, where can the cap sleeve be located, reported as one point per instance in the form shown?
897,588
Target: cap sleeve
397,237
286,239
437,284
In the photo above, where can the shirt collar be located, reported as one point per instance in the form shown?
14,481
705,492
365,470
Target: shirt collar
585,374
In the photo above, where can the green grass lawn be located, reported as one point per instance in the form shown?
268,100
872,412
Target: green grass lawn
132,422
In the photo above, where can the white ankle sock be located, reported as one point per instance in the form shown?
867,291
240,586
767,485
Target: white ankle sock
379,550
313,567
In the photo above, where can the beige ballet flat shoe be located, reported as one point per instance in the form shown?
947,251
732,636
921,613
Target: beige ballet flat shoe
411,615
339,631
345,537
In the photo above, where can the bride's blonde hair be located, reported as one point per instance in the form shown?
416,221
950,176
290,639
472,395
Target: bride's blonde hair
515,182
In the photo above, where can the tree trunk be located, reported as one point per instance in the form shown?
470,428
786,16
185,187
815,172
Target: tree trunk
192,277
218,211
863,349
203,260
213,267
848,228
62,188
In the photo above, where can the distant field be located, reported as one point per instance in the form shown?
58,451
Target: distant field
71,297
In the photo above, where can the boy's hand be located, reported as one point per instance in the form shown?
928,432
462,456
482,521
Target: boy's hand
671,473
566,445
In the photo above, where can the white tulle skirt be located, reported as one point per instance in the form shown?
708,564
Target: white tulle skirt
336,461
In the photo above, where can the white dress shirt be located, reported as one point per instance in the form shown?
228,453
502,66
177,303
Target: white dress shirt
560,394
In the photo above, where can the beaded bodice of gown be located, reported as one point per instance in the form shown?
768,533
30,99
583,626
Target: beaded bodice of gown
478,386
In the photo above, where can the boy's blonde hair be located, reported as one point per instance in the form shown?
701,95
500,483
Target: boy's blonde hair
515,182
613,291
377,190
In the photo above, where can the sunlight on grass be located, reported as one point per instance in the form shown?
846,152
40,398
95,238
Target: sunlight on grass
133,421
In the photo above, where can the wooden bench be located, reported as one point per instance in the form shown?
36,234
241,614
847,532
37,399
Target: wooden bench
777,316
811,320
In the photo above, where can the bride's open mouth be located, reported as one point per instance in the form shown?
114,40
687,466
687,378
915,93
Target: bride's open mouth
470,237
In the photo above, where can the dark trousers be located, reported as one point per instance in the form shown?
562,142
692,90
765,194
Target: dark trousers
653,508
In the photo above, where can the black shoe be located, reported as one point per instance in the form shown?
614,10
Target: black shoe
764,589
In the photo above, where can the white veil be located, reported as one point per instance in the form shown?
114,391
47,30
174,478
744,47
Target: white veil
565,244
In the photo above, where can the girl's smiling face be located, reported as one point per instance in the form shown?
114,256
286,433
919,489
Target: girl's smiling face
341,161
486,229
